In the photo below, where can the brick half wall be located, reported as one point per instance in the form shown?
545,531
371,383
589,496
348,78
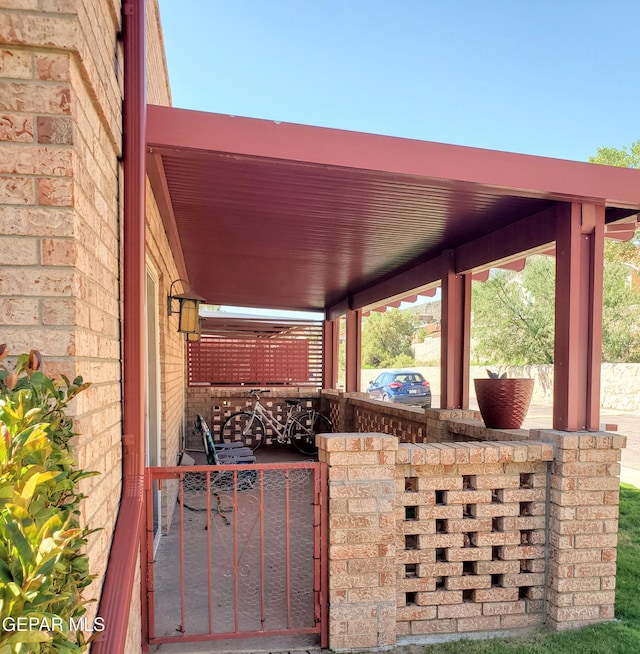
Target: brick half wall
451,538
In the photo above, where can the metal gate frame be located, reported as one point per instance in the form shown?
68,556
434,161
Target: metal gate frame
320,545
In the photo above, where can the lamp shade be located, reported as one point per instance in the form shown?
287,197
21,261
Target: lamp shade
188,308
188,322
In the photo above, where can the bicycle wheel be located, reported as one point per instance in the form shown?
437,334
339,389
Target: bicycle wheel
304,428
244,427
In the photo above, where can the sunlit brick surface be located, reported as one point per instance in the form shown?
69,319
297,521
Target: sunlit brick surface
454,537
471,536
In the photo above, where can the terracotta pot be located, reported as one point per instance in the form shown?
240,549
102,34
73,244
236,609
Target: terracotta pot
503,402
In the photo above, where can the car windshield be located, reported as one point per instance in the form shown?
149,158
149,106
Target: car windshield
409,378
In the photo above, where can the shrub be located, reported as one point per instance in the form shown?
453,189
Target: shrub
43,569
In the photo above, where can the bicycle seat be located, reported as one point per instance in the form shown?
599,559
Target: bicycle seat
292,402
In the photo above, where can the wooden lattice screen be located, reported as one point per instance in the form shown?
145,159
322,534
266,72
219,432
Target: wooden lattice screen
290,359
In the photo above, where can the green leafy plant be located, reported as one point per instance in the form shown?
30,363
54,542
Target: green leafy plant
496,375
43,569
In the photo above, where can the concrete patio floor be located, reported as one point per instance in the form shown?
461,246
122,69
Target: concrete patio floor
251,583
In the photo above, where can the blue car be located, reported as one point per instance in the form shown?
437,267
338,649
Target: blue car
401,387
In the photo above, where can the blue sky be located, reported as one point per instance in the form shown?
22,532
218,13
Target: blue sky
556,78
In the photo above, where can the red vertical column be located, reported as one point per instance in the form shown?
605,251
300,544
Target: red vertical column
456,325
330,337
578,326
353,350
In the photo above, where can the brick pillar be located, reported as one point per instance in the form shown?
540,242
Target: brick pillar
362,524
583,527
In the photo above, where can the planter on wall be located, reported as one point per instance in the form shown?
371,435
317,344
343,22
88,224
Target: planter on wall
503,402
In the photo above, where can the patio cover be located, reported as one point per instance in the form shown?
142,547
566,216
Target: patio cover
278,215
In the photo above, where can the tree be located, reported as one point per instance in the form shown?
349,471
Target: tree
513,314
386,339
624,157
621,310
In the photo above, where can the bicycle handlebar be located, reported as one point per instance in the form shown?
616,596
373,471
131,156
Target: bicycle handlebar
253,391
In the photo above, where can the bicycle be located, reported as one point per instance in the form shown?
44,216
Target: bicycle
299,429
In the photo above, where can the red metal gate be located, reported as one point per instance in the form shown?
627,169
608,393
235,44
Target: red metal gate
243,554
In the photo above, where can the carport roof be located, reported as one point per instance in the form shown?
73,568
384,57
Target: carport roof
278,215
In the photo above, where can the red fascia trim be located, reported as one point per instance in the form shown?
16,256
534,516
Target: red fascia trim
520,174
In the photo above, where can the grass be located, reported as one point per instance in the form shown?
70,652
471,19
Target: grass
619,637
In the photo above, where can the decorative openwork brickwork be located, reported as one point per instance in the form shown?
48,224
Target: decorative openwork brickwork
455,537
401,426
471,537
408,424
216,405
333,407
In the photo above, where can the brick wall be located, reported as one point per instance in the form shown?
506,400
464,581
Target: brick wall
451,538
217,404
60,223
61,73
471,539
356,412
171,349
583,527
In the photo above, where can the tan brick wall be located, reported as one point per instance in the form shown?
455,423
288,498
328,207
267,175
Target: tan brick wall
362,529
60,223
469,536
356,412
172,352
215,405
158,91
134,633
61,74
471,539
583,527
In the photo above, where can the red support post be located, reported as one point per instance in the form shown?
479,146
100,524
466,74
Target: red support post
330,354
578,325
353,350
455,344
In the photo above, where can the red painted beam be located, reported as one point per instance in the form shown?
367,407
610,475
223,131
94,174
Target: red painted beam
353,351
329,349
527,175
507,244
337,310
455,342
415,280
158,180
578,324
